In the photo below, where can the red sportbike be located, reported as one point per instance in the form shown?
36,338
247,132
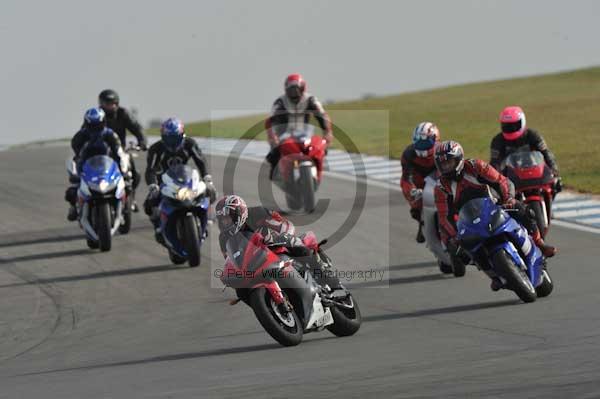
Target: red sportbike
300,167
534,184
283,293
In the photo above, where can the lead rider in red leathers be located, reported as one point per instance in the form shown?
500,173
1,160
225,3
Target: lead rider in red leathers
292,111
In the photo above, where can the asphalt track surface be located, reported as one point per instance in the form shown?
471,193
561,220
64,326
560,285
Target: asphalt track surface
76,323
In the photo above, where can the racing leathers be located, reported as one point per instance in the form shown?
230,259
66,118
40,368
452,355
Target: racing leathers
120,122
475,181
160,160
288,115
414,171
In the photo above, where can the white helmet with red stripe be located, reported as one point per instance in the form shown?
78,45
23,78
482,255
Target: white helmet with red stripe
232,213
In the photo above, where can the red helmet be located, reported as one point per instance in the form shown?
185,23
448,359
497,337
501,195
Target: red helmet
232,213
294,86
449,159
512,121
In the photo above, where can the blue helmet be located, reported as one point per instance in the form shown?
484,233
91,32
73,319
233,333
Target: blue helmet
94,117
172,134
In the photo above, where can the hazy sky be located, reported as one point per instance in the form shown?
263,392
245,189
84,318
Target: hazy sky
186,58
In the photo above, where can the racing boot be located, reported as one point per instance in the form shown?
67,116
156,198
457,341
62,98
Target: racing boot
496,284
547,250
420,237
72,215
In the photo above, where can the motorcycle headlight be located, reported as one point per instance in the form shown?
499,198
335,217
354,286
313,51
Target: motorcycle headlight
497,220
103,186
185,194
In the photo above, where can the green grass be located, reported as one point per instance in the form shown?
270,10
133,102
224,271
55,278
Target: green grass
564,107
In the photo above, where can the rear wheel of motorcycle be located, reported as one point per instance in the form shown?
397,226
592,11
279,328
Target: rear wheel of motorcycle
191,240
103,226
445,268
125,225
516,278
345,321
286,329
307,188
540,218
546,287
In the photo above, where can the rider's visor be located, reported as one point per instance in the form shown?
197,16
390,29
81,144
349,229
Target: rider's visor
109,106
448,166
224,222
293,91
511,127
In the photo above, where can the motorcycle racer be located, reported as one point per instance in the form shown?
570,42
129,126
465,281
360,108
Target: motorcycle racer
516,136
234,217
417,163
120,120
464,179
174,148
94,138
292,110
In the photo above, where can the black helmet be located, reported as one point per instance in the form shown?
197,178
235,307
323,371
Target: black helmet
108,96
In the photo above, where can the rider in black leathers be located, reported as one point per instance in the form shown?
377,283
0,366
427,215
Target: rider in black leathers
173,149
120,120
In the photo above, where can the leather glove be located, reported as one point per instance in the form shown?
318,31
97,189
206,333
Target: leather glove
153,190
510,203
558,187
416,194
210,188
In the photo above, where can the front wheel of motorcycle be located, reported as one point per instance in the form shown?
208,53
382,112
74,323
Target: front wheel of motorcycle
307,188
516,278
346,318
284,326
103,222
191,240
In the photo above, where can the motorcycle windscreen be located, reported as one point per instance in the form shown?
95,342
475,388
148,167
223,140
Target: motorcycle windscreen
525,159
246,251
99,165
182,174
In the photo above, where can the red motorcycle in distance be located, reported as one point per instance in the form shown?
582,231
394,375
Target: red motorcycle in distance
283,293
534,184
300,167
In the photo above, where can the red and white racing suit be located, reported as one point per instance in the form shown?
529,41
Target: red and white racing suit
414,171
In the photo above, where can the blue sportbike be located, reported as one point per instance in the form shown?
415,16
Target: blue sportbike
183,214
101,200
502,248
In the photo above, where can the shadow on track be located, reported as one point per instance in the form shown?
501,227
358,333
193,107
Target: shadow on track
445,310
48,236
47,255
399,280
103,274
178,356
